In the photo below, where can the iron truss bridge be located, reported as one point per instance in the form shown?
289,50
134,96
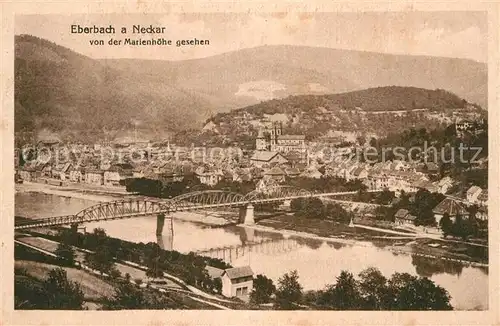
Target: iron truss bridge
196,200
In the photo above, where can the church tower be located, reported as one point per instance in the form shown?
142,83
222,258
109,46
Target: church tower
260,142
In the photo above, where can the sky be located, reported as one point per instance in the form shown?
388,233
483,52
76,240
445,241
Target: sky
448,34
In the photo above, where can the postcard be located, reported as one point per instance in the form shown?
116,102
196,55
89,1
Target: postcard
229,163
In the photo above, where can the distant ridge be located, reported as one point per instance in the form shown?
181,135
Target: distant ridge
63,91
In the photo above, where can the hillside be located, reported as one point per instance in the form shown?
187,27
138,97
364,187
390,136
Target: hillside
375,111
309,70
61,90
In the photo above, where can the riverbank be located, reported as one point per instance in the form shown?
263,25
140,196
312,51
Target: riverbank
68,192
404,243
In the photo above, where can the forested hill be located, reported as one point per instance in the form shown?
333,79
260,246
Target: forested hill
391,98
376,111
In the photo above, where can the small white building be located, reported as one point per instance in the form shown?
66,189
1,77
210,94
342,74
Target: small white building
237,282
473,193
94,176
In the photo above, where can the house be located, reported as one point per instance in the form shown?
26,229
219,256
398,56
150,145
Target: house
209,177
275,174
359,173
425,184
291,143
27,173
377,181
113,176
294,157
261,158
94,176
64,174
444,185
432,168
403,217
473,193
348,172
76,174
398,165
482,213
47,171
292,172
237,282
451,206
482,199
312,173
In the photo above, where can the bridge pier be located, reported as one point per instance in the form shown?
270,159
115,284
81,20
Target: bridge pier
75,227
247,215
160,223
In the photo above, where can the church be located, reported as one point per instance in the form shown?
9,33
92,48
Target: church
271,138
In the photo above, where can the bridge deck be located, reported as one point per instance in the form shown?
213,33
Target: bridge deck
144,207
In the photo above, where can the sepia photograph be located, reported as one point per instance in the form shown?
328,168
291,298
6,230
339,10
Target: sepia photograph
257,161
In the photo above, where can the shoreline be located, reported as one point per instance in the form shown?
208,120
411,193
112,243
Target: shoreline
363,243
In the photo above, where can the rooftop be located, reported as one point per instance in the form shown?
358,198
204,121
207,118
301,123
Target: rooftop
474,189
275,171
292,137
401,213
450,206
214,272
238,272
264,156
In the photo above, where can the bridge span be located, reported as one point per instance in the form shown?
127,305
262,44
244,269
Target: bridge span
162,208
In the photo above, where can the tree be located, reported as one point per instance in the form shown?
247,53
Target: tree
425,202
155,268
385,197
411,293
96,239
29,293
344,294
462,228
296,204
62,293
373,290
66,252
289,292
446,225
67,236
263,289
338,213
101,260
311,208
361,139
126,296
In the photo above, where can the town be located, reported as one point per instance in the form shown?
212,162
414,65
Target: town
277,159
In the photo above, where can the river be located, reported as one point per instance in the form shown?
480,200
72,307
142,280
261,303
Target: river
317,262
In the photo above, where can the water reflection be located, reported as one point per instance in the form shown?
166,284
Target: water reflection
428,267
336,245
165,242
310,243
